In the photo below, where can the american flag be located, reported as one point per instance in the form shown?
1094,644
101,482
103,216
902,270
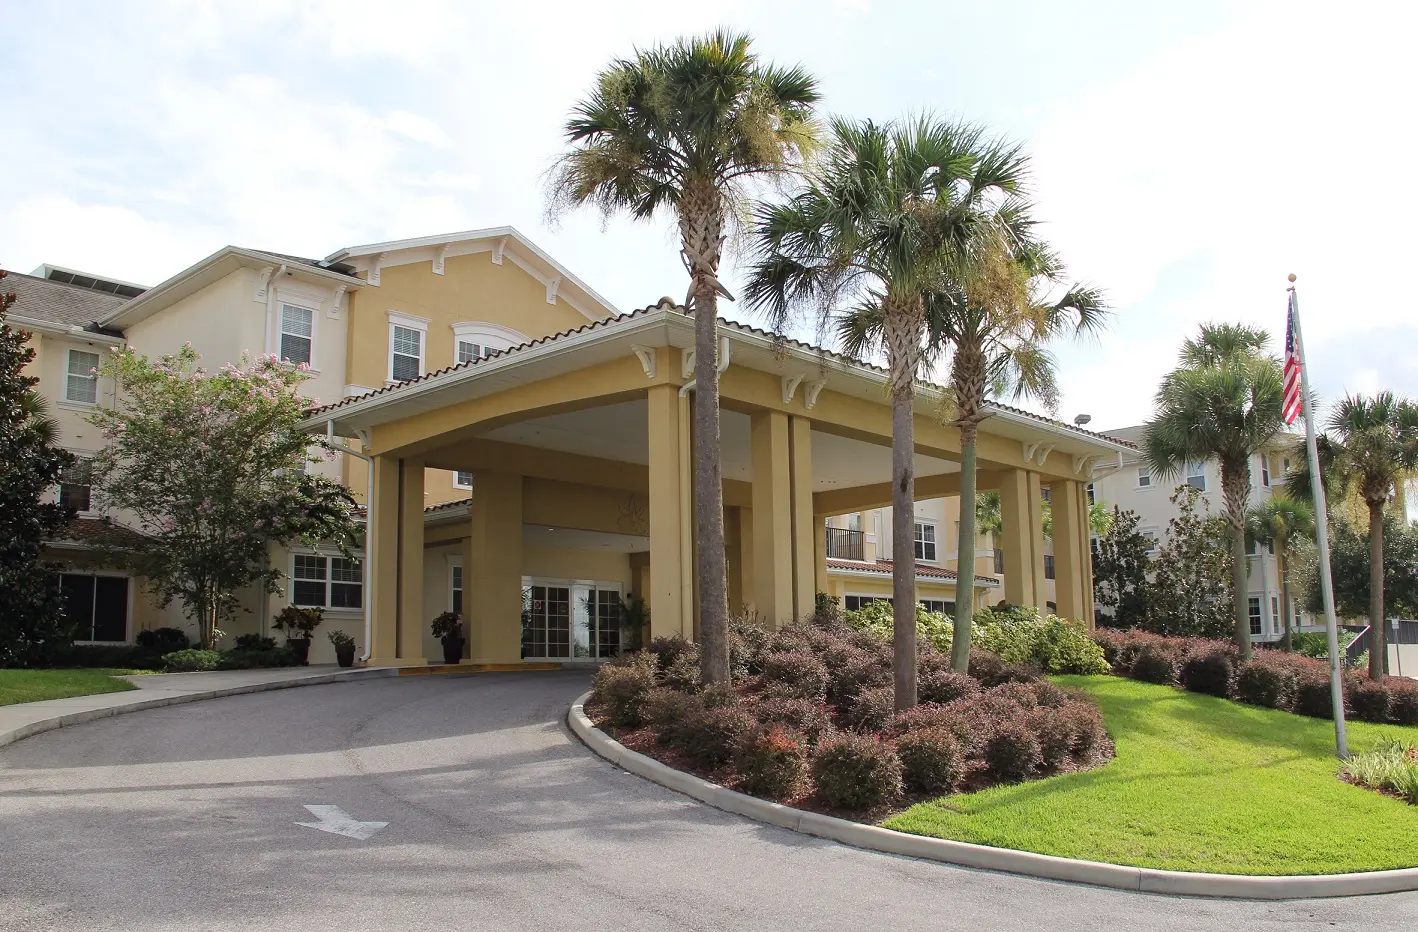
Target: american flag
1290,402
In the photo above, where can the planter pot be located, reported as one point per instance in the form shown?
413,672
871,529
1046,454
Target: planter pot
452,650
301,648
345,656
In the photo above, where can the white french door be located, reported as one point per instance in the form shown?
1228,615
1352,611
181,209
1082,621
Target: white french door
570,619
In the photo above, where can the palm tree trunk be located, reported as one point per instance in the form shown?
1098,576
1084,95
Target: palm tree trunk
965,551
1378,641
902,331
1287,641
1235,489
701,230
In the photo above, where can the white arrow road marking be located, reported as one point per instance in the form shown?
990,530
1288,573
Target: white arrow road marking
337,821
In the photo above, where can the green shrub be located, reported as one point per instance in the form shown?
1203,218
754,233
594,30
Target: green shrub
931,627
191,661
856,772
620,689
710,735
163,640
114,656
771,762
1013,752
1392,766
1058,646
931,760
1212,672
254,642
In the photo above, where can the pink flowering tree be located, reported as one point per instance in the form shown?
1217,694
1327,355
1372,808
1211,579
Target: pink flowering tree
209,466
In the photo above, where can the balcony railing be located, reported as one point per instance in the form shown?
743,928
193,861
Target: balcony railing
844,544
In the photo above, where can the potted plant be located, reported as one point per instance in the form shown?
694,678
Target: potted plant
344,648
448,628
298,624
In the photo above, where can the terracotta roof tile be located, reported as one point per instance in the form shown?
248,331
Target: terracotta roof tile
887,567
98,533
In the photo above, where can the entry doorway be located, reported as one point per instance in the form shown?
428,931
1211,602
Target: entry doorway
570,619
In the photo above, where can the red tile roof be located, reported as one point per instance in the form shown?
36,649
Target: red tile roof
98,533
886,567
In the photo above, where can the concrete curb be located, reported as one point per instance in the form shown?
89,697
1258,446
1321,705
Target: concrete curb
875,838
89,715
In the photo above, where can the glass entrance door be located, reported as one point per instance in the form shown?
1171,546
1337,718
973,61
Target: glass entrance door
546,622
570,619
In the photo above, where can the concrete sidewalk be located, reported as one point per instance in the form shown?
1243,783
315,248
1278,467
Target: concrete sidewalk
160,689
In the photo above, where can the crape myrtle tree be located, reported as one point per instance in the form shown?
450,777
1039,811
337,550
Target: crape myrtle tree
32,622
1222,402
863,240
684,128
1369,446
211,466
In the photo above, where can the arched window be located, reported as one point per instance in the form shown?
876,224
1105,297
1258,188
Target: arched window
476,339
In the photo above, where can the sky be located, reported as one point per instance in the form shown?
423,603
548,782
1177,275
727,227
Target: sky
1186,157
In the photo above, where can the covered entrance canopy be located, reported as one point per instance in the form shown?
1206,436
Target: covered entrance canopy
581,448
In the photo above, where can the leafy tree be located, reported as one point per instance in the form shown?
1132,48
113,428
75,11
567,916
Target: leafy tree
1278,521
211,467
1120,566
994,314
1370,446
32,622
1351,566
1222,402
684,128
867,236
1191,591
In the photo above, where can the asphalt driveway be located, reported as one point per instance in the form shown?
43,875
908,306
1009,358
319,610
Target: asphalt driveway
184,818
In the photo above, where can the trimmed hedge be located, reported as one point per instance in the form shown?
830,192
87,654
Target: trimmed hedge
771,761
856,772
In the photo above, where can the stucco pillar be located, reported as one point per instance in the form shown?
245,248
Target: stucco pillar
745,570
668,514
819,560
492,575
412,614
1019,513
772,519
804,527
1036,533
1086,536
383,530
1070,552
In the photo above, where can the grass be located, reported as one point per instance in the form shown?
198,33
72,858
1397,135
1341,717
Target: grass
1198,784
34,685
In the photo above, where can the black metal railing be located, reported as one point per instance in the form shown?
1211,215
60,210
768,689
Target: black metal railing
844,544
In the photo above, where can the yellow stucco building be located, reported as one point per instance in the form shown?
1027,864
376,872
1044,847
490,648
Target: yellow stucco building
525,451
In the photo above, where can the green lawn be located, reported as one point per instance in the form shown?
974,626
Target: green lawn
33,685
1198,784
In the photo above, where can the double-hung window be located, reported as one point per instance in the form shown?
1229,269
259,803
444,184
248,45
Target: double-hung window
463,479
1154,544
407,344
81,377
1196,476
323,581
1253,609
455,599
1092,494
1048,566
75,490
297,334
925,541
1144,477
1265,470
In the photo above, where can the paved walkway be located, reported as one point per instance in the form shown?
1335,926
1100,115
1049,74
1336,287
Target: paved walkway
158,689
185,818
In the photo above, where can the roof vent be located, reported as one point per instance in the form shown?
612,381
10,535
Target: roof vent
65,276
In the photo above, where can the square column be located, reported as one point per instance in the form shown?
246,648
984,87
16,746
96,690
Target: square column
1036,533
412,615
807,539
1070,551
1019,513
383,595
772,519
492,569
669,515
819,560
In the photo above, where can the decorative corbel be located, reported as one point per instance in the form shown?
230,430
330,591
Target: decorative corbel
811,391
686,363
374,262
647,357
439,258
790,387
1044,453
497,250
1029,449
262,283
334,312
1083,464
552,286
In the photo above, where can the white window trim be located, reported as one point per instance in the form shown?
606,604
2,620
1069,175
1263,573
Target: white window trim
90,512
281,306
1198,473
93,379
329,579
1156,538
408,322
1265,477
1151,480
459,485
489,336
455,563
934,541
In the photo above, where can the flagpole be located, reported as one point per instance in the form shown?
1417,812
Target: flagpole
1336,678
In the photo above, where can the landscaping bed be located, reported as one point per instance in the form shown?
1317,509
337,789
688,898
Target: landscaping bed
809,720
18,686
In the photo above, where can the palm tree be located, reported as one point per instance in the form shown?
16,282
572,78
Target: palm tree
995,315
1370,446
1222,402
1278,521
872,228
684,128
